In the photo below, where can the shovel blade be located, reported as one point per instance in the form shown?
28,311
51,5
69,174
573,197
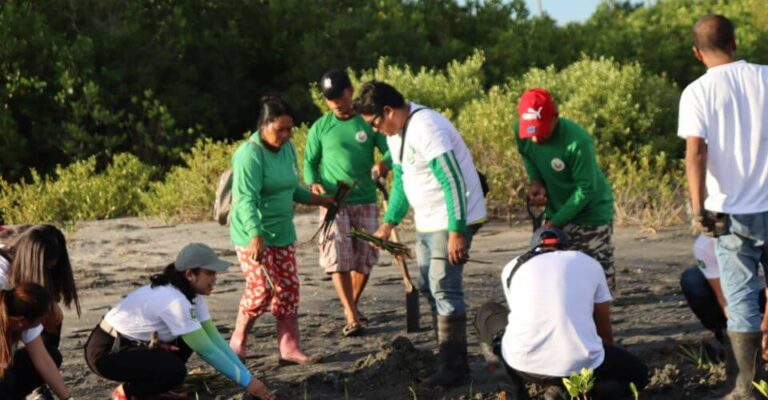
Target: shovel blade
412,315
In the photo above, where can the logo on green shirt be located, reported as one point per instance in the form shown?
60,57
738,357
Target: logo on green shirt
557,164
361,136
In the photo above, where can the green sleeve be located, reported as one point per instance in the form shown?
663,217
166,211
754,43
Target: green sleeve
247,179
448,173
221,344
398,203
312,155
381,144
201,344
585,173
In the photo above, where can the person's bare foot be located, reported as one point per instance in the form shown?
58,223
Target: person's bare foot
237,346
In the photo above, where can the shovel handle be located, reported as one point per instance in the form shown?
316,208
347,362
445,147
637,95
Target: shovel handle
536,218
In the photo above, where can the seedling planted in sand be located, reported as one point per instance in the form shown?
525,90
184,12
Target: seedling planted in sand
699,358
580,384
633,389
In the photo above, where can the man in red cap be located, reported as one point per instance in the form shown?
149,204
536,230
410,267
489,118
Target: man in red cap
559,156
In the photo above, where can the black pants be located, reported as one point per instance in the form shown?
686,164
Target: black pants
21,378
612,377
144,372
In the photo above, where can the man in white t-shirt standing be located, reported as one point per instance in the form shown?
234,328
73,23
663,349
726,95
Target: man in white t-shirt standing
558,322
724,120
433,172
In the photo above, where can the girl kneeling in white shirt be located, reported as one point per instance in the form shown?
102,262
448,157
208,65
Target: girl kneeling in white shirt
147,338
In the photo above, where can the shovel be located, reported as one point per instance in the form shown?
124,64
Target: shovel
412,315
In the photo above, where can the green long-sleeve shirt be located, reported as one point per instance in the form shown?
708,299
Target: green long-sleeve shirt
577,191
264,186
343,150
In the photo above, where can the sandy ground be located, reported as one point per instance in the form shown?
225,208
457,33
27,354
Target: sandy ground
650,317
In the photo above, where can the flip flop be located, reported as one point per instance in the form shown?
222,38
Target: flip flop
351,330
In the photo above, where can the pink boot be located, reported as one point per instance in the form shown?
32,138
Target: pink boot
288,342
239,337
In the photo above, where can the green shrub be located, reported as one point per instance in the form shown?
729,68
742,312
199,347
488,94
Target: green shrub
187,191
649,187
77,192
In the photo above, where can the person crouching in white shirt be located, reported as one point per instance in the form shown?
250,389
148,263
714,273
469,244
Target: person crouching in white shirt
558,322
146,339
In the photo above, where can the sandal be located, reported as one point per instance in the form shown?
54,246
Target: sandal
352,329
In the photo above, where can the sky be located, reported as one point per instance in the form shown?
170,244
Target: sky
565,11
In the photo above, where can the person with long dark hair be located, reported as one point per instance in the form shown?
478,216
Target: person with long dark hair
22,309
265,183
38,254
145,341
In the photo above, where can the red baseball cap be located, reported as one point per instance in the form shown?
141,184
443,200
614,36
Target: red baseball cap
537,113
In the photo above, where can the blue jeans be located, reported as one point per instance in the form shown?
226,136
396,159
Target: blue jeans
703,302
739,253
439,280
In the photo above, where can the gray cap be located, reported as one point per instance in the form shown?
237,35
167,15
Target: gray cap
199,255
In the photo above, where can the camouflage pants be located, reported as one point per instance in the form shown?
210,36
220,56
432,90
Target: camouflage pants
595,241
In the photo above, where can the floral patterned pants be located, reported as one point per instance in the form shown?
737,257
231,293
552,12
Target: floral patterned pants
272,283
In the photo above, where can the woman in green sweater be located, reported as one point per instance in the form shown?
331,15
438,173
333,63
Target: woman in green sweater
265,184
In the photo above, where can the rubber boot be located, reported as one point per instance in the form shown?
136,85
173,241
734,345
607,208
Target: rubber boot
288,343
243,325
452,366
746,348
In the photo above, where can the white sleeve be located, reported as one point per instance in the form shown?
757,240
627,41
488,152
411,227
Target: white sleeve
602,293
432,139
31,334
202,309
691,120
180,317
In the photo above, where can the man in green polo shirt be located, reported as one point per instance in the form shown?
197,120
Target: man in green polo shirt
559,156
340,148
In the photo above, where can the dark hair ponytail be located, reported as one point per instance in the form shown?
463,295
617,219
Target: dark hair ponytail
29,301
272,107
170,276
31,251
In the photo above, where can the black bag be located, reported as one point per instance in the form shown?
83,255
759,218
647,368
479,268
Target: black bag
484,183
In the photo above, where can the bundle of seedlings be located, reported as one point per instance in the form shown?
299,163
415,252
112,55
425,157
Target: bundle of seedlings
342,191
394,248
